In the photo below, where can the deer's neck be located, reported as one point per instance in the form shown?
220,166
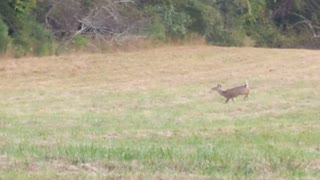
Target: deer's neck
221,92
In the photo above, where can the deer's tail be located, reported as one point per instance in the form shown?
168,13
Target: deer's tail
246,84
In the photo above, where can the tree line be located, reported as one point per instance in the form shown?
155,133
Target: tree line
44,27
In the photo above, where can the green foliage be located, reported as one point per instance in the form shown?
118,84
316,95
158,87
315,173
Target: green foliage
8,15
28,35
267,36
4,38
255,11
43,41
204,17
157,30
14,12
23,6
79,42
226,38
33,38
175,21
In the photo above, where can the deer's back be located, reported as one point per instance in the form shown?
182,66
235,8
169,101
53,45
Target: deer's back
236,91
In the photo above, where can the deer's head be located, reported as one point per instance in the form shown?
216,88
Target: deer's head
218,87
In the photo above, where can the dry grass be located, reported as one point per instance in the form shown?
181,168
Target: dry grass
163,67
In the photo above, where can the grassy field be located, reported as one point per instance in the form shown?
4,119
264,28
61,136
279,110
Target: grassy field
149,114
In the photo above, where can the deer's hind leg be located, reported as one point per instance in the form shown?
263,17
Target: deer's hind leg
246,96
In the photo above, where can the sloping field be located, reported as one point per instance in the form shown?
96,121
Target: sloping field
150,115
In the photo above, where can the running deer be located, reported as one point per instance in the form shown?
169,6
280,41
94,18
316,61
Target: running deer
233,92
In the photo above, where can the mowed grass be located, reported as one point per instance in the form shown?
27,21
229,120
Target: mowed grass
150,114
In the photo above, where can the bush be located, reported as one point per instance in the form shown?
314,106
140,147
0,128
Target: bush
174,19
33,38
79,42
4,38
157,30
223,37
176,22
268,35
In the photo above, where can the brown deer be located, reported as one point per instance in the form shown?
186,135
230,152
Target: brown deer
233,92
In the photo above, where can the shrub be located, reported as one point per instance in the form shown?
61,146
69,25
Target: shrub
268,35
157,30
79,42
33,38
4,38
176,22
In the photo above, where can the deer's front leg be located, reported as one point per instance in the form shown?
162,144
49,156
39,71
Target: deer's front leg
227,100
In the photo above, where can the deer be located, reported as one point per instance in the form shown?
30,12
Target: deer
233,92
